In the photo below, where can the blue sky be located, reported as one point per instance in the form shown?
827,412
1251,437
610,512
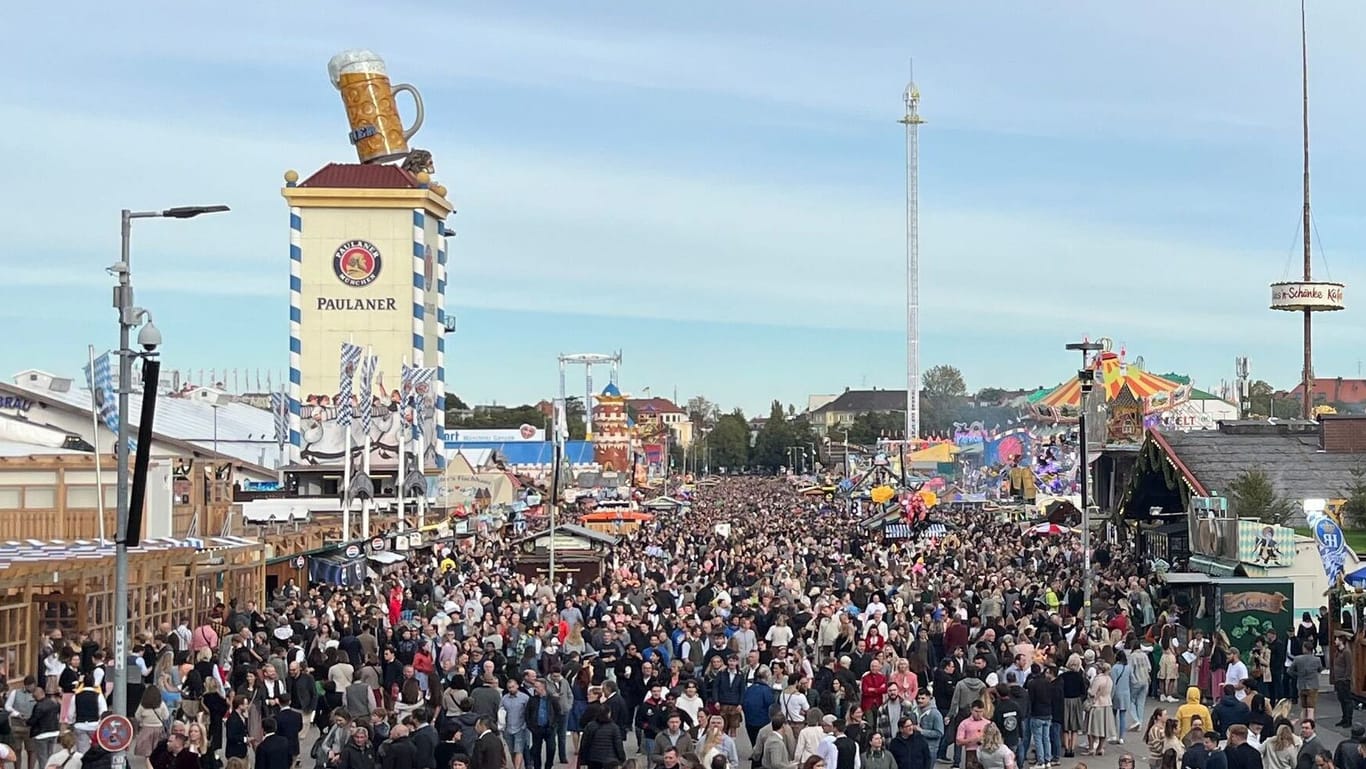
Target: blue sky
714,188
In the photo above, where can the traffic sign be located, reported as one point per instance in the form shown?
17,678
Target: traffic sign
114,734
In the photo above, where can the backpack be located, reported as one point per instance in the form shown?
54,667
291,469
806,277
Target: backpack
1009,719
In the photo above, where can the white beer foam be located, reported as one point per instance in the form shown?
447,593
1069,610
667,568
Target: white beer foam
354,61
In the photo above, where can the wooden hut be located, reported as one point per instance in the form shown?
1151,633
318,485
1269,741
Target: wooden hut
69,586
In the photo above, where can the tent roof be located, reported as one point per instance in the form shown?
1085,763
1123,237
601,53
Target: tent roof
939,452
1113,373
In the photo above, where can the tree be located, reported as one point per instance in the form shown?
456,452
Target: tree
943,382
729,441
453,401
869,426
1251,495
772,446
702,412
573,409
1262,402
1354,510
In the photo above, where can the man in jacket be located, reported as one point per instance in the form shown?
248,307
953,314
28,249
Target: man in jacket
398,751
674,738
728,691
1311,746
303,692
885,718
289,724
1042,694
424,739
44,724
273,752
909,749
1340,675
1229,711
1347,755
1239,754
542,712
488,749
929,721
557,687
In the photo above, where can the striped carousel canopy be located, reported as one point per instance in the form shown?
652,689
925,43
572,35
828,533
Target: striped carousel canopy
1112,373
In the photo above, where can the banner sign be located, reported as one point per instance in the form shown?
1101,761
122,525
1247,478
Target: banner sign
1328,536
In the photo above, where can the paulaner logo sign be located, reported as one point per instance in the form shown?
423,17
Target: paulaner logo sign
356,263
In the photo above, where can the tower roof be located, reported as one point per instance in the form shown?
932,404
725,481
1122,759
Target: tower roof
611,391
378,177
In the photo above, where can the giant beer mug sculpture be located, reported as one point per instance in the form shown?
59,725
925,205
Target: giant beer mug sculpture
376,129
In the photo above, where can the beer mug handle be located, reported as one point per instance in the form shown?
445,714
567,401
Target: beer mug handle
417,100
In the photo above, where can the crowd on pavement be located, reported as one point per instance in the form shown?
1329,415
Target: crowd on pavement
752,629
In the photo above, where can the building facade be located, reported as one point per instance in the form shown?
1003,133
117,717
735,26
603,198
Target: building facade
367,252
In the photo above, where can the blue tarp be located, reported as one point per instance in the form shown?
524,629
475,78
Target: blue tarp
530,452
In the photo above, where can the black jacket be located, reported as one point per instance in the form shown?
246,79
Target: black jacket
488,752
288,724
273,753
425,740
303,692
398,754
46,716
235,732
533,707
352,757
1243,756
603,744
911,752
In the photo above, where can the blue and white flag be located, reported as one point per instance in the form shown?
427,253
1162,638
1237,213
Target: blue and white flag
417,395
279,408
350,361
1332,544
99,377
365,405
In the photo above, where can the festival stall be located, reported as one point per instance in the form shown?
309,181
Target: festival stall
69,586
580,554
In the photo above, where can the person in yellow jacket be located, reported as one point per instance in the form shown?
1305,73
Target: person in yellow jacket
1191,708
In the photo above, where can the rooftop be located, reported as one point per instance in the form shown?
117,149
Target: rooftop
244,432
1288,452
860,401
653,406
356,175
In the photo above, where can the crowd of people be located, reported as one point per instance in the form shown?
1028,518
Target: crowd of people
753,629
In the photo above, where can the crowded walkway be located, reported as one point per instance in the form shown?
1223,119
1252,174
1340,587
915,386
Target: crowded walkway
754,629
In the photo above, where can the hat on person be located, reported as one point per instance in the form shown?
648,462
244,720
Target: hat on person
284,632
828,720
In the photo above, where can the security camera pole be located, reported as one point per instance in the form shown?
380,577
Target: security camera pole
129,316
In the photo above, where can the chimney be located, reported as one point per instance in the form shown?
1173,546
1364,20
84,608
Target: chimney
1342,433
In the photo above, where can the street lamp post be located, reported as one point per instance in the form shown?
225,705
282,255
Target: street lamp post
149,339
1086,377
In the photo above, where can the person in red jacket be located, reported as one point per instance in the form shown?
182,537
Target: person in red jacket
873,687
